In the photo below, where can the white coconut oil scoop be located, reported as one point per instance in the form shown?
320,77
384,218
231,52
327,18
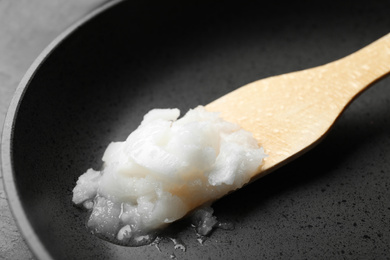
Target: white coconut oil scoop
289,114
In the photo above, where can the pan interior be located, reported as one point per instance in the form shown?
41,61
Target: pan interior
96,85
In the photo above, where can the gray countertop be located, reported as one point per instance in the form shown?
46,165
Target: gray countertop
26,28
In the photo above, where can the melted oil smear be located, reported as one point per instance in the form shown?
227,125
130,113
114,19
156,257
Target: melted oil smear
202,221
105,223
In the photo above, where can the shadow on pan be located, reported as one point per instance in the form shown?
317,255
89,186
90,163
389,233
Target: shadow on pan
97,83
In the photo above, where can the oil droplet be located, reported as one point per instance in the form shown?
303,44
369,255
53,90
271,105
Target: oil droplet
178,244
226,225
156,243
201,239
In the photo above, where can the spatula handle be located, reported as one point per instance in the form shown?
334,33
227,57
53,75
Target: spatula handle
364,67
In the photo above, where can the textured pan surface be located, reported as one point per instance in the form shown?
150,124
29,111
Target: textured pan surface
97,83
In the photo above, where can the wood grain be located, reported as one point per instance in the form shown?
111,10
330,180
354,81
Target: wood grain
288,114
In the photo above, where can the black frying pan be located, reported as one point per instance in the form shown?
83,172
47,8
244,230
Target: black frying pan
95,82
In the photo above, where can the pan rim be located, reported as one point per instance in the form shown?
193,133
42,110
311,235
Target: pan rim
12,194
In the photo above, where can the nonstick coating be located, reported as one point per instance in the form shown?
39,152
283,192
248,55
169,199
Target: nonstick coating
95,85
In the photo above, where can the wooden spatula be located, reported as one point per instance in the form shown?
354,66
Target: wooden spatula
290,113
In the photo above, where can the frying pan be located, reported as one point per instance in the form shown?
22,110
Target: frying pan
94,83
